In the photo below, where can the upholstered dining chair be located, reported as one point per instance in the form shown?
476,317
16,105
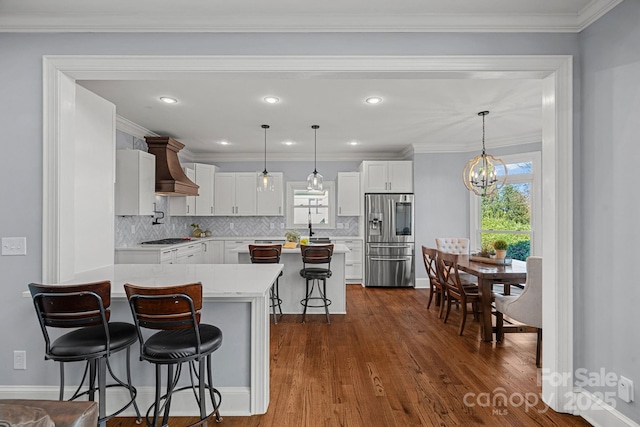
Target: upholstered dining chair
525,308
429,256
453,245
455,290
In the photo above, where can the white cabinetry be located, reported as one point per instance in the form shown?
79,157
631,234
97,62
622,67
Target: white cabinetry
353,260
235,194
184,254
205,178
135,182
349,194
387,176
212,252
231,257
184,205
270,203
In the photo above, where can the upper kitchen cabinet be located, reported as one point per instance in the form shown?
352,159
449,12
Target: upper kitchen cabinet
205,178
235,194
135,182
349,194
394,176
184,205
270,203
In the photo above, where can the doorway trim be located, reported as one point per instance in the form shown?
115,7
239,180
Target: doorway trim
555,72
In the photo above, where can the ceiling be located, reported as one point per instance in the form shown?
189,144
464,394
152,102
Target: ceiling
418,113
301,15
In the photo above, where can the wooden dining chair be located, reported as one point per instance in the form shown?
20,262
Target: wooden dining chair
455,290
429,256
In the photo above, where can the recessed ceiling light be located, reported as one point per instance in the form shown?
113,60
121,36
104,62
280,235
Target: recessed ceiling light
373,100
223,142
271,100
288,142
168,100
353,142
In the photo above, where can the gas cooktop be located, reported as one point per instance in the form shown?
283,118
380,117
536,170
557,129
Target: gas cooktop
169,241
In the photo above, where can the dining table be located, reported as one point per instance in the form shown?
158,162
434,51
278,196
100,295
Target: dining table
488,274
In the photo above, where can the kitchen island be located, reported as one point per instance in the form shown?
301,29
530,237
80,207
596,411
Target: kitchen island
292,285
235,299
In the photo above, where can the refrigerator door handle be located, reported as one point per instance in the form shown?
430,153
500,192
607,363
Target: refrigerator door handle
391,259
389,246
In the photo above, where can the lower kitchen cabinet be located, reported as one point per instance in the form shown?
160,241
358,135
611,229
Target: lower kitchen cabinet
212,252
231,257
353,260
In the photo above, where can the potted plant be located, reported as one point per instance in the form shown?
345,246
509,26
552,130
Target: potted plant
486,251
501,248
292,236
197,231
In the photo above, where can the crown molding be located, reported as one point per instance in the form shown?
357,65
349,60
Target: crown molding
237,21
466,147
131,128
188,156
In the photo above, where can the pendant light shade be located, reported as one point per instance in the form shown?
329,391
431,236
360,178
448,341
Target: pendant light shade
265,180
480,174
314,180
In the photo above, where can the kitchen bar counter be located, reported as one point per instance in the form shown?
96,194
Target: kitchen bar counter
235,299
292,285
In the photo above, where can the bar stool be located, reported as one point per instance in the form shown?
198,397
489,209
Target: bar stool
269,254
85,307
175,312
314,255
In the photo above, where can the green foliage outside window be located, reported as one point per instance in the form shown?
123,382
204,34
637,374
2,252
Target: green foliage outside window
508,209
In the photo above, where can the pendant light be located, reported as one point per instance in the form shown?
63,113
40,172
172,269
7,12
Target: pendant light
480,174
314,180
265,180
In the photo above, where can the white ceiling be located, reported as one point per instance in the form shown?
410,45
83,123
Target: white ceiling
419,113
416,114
301,15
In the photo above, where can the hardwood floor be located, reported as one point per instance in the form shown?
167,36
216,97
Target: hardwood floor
392,362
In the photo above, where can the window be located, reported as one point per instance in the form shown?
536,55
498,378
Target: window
304,206
512,213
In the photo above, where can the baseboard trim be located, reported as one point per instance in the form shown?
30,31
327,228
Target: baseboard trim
421,283
236,401
599,413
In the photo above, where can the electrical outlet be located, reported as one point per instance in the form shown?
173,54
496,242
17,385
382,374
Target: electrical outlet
272,226
625,389
14,246
20,359
133,229
230,226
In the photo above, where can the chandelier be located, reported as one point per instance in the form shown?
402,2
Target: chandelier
314,180
480,174
265,179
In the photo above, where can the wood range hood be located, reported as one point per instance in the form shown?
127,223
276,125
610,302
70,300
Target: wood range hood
170,177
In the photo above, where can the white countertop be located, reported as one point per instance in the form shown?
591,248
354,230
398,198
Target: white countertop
141,247
218,280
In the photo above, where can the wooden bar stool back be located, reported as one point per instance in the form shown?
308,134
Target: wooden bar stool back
175,312
85,309
269,254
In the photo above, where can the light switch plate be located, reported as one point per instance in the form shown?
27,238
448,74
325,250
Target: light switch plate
14,246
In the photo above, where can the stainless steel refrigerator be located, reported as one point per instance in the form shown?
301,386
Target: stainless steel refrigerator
389,240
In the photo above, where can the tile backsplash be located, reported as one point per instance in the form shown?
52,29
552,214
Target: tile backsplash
131,230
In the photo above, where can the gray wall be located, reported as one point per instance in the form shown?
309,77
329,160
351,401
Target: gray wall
21,124
606,293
